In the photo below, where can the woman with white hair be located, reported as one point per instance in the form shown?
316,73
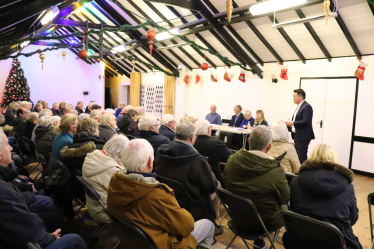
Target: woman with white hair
107,127
290,163
248,120
98,168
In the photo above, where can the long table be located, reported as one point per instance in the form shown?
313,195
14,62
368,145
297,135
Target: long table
235,130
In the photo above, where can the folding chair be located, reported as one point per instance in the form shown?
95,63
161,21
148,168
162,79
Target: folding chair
243,210
30,245
180,192
41,159
289,178
305,232
371,202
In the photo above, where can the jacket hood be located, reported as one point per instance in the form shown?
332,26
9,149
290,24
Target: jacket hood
177,152
78,150
7,174
41,130
96,163
165,127
256,162
324,178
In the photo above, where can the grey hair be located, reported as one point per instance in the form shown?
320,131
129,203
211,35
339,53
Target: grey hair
115,145
129,107
55,119
83,116
184,131
146,122
247,112
107,118
260,138
45,121
55,104
1,140
202,127
45,112
32,116
139,109
279,131
95,114
167,118
136,154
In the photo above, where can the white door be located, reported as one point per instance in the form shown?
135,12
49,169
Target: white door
333,104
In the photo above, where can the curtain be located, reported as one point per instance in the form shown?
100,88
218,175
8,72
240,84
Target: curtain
135,89
169,94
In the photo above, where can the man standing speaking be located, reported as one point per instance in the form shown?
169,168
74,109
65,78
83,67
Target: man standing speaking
301,125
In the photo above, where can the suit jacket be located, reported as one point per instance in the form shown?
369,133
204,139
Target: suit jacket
303,124
238,122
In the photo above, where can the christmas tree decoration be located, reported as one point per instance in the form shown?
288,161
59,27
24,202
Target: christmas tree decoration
186,78
83,54
226,76
42,57
63,55
18,88
214,79
242,76
326,6
229,9
283,74
204,66
361,70
197,76
151,35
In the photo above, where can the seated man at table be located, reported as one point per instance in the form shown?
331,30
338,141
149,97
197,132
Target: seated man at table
236,120
256,175
213,117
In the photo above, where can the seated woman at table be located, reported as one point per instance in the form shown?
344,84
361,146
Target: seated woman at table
260,119
248,121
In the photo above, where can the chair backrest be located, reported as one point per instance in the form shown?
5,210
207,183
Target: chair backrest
90,191
371,199
312,231
30,245
289,178
41,158
135,237
180,192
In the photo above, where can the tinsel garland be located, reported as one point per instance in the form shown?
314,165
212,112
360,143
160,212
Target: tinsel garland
122,28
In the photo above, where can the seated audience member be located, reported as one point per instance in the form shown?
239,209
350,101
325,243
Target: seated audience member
19,225
149,130
248,120
45,104
45,134
19,123
180,161
236,120
95,107
213,117
70,106
216,150
133,127
73,112
31,121
2,119
79,108
260,119
10,113
62,105
26,105
55,110
96,115
168,126
256,175
85,141
123,113
67,129
119,109
64,110
107,127
98,168
136,196
89,107
38,107
129,117
42,113
323,190
188,119
290,163
140,110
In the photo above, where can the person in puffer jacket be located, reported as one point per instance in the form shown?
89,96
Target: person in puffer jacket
98,168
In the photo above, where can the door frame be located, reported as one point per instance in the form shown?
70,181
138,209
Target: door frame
353,137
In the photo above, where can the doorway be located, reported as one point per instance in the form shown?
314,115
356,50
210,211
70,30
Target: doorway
334,103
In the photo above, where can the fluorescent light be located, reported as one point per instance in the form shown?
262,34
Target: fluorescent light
304,20
166,35
120,48
274,5
173,46
24,44
51,13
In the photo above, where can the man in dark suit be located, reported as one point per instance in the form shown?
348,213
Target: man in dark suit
301,125
236,120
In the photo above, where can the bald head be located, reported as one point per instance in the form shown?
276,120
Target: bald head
213,109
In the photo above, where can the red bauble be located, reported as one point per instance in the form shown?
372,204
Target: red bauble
204,66
150,36
83,54
21,97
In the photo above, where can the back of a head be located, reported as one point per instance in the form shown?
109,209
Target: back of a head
279,131
146,122
55,105
188,119
260,138
14,105
184,131
323,153
45,112
95,114
167,118
32,116
19,111
129,107
45,121
83,116
96,107
87,125
66,121
139,110
202,127
136,154
106,118
131,113
115,145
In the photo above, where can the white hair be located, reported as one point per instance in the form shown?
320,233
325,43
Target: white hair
95,114
55,119
45,121
126,108
24,103
55,104
136,154
247,112
107,118
45,112
202,127
146,122
115,145
167,118
83,116
139,109
279,131
122,103
260,138
184,131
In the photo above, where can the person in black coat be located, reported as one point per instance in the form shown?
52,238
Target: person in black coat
181,162
19,123
79,108
301,125
149,130
44,139
215,150
168,126
10,113
234,140
55,110
32,120
323,190
107,127
130,117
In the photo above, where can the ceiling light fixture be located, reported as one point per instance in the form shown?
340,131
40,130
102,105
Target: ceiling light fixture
173,46
304,20
166,35
120,48
51,13
274,5
25,43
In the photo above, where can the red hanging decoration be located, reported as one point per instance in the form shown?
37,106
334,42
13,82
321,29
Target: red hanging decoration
150,36
361,69
186,78
212,76
204,66
83,54
284,70
242,76
197,76
226,76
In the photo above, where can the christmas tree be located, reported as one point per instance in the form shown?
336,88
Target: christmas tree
16,87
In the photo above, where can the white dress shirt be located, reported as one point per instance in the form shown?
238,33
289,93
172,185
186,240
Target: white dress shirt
294,116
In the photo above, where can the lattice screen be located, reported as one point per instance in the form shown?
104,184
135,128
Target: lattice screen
152,98
142,95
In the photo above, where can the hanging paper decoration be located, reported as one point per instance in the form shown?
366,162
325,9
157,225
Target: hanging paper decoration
212,76
150,36
186,78
229,9
83,54
242,76
226,76
326,6
133,65
204,66
63,55
361,70
283,74
197,76
42,57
